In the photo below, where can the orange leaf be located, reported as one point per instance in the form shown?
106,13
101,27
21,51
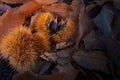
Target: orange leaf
46,1
16,17
14,1
61,9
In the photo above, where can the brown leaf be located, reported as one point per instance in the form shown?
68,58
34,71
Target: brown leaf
116,24
104,20
32,76
93,60
46,1
76,6
93,40
66,67
14,1
61,9
86,24
101,2
90,7
16,17
117,4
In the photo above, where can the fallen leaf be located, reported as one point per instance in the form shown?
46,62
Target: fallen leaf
62,45
67,68
64,64
46,1
45,67
65,52
117,4
76,6
77,16
66,1
101,2
115,24
61,9
15,17
32,76
113,49
104,19
90,7
93,40
86,25
93,60
14,1
93,10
